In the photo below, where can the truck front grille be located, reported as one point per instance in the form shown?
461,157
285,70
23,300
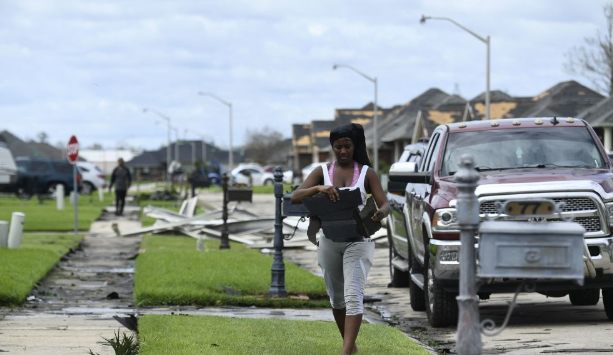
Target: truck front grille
591,224
572,204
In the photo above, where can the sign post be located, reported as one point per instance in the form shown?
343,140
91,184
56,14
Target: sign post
72,152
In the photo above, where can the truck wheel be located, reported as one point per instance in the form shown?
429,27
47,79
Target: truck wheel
399,278
588,297
418,299
269,182
441,306
607,299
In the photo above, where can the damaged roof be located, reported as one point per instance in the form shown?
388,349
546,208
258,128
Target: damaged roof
399,124
565,99
599,115
361,116
320,132
301,138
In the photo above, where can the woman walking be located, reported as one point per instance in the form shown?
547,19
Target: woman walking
345,264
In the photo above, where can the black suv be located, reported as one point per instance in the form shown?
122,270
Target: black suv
42,176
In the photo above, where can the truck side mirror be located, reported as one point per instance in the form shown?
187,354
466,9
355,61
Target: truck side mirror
407,173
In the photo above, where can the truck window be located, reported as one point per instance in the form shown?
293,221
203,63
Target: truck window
430,155
523,148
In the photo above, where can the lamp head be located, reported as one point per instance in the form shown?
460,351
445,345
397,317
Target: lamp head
423,19
144,110
334,67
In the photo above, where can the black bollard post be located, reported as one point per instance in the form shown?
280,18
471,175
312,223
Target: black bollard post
225,244
277,286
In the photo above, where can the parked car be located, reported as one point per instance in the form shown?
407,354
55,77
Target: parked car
42,176
93,177
288,174
558,159
308,169
255,175
8,170
396,228
213,171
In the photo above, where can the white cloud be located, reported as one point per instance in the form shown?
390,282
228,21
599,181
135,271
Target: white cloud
317,30
85,67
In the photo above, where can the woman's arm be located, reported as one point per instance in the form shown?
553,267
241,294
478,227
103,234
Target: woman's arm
310,186
379,195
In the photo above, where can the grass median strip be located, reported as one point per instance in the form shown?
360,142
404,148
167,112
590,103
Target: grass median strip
46,217
172,272
21,268
186,335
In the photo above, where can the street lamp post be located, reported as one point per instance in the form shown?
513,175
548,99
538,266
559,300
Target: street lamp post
485,40
229,104
145,110
375,118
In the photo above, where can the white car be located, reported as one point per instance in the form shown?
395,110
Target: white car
255,174
93,177
8,169
308,169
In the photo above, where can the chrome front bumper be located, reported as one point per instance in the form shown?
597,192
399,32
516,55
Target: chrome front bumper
446,255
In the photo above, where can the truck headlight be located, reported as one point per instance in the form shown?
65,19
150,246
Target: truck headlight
609,209
447,219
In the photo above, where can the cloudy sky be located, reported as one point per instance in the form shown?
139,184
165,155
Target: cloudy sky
90,67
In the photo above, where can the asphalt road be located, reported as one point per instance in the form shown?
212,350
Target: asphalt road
539,325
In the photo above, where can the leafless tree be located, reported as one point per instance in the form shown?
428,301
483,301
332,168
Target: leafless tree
262,143
594,60
42,137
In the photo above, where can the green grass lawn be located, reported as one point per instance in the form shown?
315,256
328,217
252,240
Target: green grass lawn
21,268
172,272
186,335
46,217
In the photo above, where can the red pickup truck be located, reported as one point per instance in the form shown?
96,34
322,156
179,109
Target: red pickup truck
555,158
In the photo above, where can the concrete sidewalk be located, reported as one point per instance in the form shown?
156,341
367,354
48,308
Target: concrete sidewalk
84,279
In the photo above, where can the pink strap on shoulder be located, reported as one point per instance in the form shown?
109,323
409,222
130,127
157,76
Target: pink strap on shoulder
356,173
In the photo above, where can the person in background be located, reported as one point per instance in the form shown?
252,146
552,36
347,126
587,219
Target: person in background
122,180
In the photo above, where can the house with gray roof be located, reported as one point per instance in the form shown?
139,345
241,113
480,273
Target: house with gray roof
600,117
20,148
152,164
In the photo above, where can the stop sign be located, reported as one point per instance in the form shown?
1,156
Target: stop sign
72,151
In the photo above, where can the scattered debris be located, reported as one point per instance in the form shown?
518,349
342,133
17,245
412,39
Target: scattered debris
242,226
130,322
113,296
